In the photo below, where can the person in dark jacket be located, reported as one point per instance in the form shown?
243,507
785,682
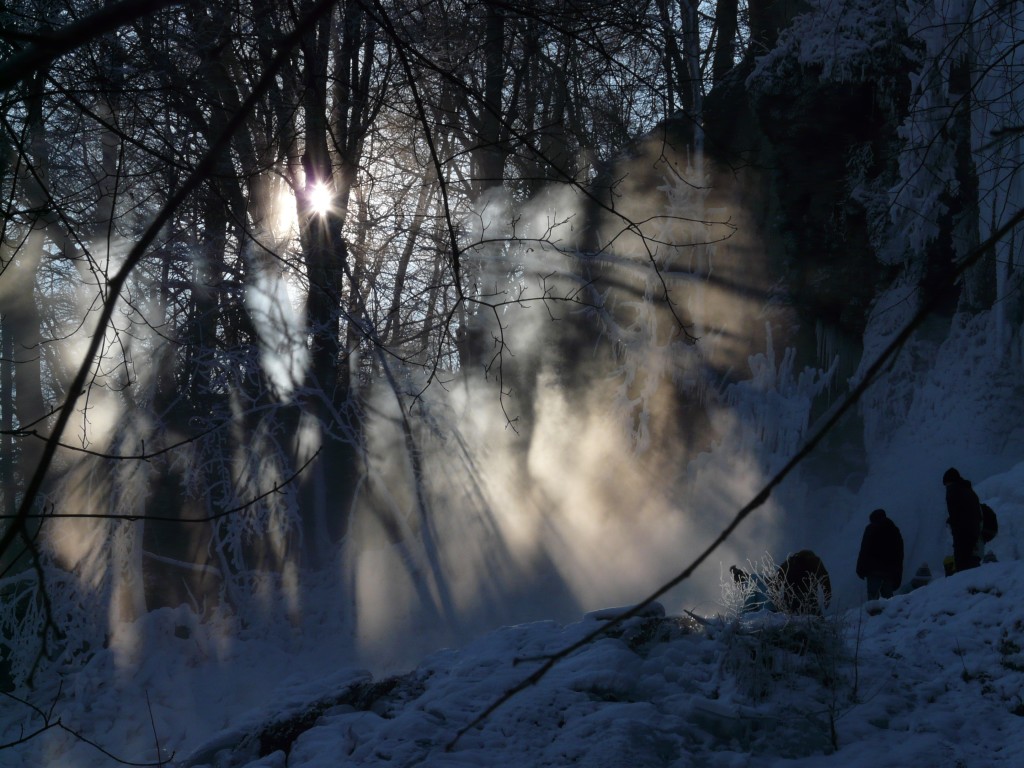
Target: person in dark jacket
799,578
964,520
880,561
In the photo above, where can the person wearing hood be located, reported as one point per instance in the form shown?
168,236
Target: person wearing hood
964,521
880,561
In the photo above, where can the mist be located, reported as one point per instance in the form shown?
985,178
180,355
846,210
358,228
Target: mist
633,386
636,395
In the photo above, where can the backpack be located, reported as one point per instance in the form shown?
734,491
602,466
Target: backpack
989,523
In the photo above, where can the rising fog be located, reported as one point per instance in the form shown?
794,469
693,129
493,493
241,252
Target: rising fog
630,391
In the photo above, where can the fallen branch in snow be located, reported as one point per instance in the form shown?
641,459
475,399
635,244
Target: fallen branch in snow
699,619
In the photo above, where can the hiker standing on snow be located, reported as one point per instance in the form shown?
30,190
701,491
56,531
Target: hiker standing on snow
799,578
880,560
964,520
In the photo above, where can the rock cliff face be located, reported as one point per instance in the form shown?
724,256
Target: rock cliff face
825,192
796,149
751,233
867,149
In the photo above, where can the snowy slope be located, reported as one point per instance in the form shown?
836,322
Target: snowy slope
933,677
930,678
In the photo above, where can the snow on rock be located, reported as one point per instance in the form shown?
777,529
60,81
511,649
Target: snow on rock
840,41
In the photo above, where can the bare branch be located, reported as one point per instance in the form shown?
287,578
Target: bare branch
66,39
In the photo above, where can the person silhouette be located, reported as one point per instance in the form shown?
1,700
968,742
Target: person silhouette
964,520
880,560
800,577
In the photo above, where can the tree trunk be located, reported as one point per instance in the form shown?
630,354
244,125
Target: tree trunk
727,19
489,155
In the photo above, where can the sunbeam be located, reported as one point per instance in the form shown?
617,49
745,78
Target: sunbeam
321,199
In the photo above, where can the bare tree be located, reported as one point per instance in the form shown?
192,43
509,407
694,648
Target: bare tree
163,178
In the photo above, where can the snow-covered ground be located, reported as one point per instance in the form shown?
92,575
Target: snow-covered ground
932,677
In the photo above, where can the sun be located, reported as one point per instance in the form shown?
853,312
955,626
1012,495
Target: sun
321,199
